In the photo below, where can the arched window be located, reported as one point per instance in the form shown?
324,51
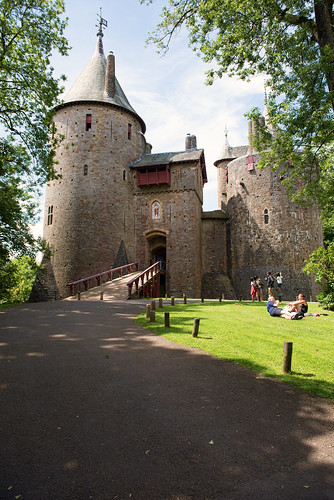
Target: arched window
266,216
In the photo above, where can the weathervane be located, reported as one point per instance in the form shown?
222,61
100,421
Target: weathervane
102,23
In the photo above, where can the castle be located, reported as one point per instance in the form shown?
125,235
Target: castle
116,202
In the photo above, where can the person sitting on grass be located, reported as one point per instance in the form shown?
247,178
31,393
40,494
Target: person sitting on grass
273,310
300,306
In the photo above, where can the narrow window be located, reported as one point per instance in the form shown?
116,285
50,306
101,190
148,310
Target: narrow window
124,175
50,215
266,216
88,122
85,169
129,131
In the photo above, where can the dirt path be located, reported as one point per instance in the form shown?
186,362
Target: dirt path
95,407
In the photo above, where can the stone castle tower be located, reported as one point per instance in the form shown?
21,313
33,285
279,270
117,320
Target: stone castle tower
117,203
268,232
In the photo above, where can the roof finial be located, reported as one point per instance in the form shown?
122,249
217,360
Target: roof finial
102,23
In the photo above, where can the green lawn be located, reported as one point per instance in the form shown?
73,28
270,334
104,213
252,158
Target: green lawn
244,333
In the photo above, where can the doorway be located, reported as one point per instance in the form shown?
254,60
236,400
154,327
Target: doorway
157,253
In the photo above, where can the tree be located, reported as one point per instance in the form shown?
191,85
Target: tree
16,279
321,264
30,31
292,43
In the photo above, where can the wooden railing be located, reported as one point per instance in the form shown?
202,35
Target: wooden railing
98,277
147,283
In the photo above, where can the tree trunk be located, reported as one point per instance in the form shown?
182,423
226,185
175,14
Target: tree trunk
323,10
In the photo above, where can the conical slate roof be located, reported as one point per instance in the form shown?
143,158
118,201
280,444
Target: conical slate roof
226,152
90,85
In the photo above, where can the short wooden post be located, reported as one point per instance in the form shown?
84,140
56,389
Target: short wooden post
202,298
195,327
223,296
79,295
153,305
148,310
152,316
160,303
240,298
172,301
287,356
166,296
311,299
166,320
184,298
101,296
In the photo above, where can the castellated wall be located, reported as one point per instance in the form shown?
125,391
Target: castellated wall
92,223
178,228
269,231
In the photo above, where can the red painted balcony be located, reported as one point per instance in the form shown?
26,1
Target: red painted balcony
149,176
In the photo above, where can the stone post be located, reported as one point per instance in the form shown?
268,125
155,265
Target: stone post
287,356
152,316
166,320
195,327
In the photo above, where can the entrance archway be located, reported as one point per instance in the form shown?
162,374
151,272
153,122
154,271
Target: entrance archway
156,243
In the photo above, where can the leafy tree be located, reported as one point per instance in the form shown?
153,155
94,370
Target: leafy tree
321,264
30,31
16,279
292,43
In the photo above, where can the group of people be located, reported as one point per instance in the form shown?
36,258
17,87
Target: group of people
294,310
257,286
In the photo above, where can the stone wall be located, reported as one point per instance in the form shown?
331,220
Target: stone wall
269,231
92,223
178,228
215,260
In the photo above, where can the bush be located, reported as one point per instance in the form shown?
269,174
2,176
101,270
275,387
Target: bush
17,277
322,265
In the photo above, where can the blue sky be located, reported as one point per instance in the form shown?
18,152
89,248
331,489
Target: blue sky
168,92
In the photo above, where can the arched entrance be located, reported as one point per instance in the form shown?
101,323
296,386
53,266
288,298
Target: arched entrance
156,243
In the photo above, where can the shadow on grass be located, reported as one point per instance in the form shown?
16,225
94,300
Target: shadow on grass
303,381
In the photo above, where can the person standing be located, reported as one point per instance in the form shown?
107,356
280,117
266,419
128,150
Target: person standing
259,287
279,279
253,289
270,284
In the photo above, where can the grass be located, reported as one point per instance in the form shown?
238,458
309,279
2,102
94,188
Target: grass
245,334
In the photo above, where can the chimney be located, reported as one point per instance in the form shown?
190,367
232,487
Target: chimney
191,142
110,85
